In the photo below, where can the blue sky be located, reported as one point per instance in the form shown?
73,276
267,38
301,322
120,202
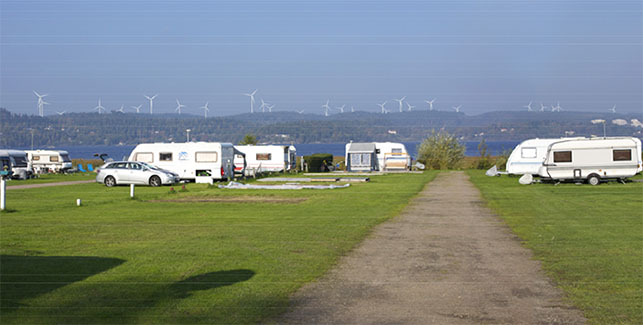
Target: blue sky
483,55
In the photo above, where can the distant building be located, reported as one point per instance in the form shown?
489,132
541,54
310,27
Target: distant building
619,122
392,132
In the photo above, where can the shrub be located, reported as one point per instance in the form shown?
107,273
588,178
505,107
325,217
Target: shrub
248,139
316,161
441,150
484,161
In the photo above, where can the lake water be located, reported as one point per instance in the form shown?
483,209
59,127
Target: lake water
337,149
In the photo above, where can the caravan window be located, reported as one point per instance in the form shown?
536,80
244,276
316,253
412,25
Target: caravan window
361,159
206,157
562,156
622,155
397,150
20,161
35,158
165,156
528,152
264,156
146,157
53,158
65,157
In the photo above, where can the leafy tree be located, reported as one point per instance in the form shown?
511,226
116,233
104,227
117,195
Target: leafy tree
441,150
248,139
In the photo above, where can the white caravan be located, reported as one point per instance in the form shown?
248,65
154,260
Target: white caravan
268,158
361,157
592,159
529,155
49,161
392,156
19,163
212,160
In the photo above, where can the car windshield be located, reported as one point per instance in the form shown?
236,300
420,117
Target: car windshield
150,166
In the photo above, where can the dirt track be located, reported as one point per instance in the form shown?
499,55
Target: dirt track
446,260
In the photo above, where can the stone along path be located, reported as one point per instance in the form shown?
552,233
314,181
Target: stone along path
446,260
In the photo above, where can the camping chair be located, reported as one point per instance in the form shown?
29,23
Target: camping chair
80,167
90,167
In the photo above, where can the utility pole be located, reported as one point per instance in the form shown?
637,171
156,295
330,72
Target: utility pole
31,139
188,131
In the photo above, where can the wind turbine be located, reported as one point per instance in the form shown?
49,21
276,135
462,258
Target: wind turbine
542,107
270,107
61,113
41,110
252,100
121,109
137,108
528,106
100,107
382,106
400,101
326,107
341,108
263,106
430,102
205,109
352,109
410,107
301,112
556,108
151,99
457,108
613,109
178,106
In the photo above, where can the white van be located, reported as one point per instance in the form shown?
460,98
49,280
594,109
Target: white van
592,159
49,161
190,160
529,155
265,158
392,156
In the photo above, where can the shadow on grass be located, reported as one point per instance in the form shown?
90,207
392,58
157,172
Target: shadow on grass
206,281
24,277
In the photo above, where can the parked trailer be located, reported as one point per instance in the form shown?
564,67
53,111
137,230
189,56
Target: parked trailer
49,161
528,156
265,158
593,160
361,157
211,160
392,156
19,164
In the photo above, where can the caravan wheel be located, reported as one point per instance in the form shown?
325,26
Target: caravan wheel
593,179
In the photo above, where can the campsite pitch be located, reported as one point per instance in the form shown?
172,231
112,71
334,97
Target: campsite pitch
207,256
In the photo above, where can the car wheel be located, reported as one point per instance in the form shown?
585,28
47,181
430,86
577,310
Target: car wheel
110,181
155,181
593,180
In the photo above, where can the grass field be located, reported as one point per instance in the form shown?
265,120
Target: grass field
53,178
117,260
589,238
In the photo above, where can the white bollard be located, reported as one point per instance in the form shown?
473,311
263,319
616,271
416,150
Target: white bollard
3,194
78,202
131,190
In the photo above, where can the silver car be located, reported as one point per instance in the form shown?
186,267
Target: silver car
132,172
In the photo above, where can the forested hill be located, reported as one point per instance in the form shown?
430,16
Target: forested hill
285,127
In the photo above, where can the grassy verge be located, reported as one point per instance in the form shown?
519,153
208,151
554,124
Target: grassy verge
589,238
118,260
53,178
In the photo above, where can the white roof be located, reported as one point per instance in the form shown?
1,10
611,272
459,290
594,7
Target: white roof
595,143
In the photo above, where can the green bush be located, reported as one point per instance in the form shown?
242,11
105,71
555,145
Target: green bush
484,161
441,150
316,161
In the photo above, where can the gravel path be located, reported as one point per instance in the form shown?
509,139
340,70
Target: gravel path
20,187
446,260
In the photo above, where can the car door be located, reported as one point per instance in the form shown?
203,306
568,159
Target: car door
137,174
119,170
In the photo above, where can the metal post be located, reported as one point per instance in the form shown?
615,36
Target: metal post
131,190
604,130
3,194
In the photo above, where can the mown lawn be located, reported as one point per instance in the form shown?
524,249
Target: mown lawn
589,238
53,178
118,260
